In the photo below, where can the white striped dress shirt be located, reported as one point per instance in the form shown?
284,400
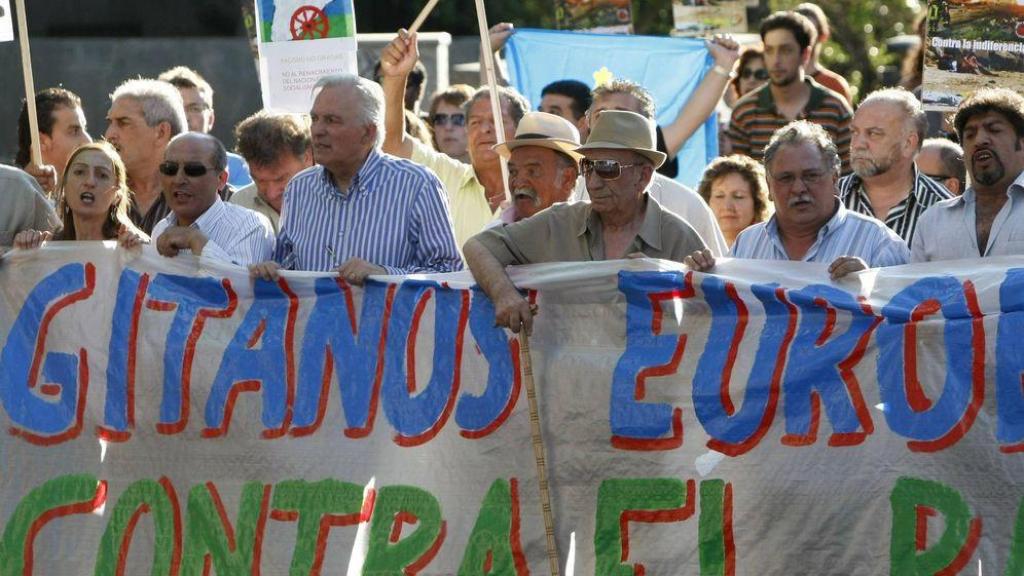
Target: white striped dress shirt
847,233
234,234
394,214
902,218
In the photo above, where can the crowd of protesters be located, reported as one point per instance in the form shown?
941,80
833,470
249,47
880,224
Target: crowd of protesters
368,184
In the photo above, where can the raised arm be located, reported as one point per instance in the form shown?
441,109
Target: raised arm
725,51
510,308
396,62
499,35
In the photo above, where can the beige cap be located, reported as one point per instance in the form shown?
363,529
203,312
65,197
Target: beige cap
622,130
544,130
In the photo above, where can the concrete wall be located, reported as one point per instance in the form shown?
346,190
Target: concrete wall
93,67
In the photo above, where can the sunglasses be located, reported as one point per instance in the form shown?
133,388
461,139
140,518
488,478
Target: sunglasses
759,74
458,119
192,169
606,169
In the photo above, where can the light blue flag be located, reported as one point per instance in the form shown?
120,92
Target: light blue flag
669,68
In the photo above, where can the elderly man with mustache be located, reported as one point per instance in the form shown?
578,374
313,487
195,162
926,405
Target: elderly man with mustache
988,219
810,223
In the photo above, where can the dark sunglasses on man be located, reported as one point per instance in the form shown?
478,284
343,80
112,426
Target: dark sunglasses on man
759,74
192,169
606,169
439,119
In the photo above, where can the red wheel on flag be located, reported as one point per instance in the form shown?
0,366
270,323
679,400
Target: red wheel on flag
622,14
1020,29
309,23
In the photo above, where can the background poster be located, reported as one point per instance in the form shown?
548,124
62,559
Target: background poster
602,16
700,17
972,44
300,41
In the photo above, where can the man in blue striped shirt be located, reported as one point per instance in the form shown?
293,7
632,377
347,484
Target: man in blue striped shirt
358,211
810,224
193,170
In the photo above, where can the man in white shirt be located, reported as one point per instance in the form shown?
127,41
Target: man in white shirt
988,219
194,168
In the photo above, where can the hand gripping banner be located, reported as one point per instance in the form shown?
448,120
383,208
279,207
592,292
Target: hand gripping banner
173,416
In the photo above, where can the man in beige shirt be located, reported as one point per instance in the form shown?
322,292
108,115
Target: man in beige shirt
477,190
276,146
620,220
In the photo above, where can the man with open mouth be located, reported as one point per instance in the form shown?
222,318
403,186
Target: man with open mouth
988,219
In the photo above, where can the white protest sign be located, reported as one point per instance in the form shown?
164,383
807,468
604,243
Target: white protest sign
6,22
299,42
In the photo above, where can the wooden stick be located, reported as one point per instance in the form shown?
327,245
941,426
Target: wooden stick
30,89
423,16
538,451
492,83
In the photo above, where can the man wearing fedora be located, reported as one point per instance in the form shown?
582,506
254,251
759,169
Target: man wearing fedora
543,165
620,220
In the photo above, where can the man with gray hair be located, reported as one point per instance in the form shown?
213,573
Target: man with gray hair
942,160
144,115
621,219
360,212
476,190
888,129
810,224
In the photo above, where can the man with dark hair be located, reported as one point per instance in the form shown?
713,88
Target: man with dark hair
569,99
815,70
476,190
988,219
810,224
193,170
789,95
276,146
888,128
61,130
197,95
942,160
144,115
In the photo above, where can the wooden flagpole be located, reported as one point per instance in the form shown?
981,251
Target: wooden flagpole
538,451
492,83
30,89
423,16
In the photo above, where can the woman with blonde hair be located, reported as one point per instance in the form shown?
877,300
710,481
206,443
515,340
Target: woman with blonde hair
93,201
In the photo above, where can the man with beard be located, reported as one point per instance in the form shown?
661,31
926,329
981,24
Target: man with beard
790,95
888,129
988,219
810,224
542,164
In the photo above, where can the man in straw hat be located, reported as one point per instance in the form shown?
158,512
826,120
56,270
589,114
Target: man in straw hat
620,220
543,164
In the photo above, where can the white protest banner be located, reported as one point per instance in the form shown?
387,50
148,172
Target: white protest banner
759,420
6,22
299,42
